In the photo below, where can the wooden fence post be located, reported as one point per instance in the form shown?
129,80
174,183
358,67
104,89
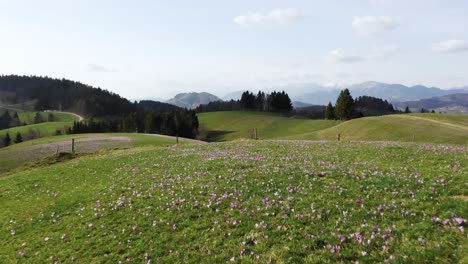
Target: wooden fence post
73,146
255,133
339,137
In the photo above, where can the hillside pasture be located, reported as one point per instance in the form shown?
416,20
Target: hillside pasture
242,202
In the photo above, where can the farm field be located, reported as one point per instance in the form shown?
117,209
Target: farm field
28,152
243,201
225,126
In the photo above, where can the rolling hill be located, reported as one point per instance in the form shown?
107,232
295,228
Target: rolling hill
404,128
436,128
223,126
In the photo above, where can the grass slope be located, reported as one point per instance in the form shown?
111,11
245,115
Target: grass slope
20,155
45,129
28,117
261,201
434,128
223,126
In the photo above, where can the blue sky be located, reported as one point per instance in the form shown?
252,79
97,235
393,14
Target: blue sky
155,49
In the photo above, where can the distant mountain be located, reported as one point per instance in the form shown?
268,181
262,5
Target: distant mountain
389,92
192,100
154,106
299,104
453,103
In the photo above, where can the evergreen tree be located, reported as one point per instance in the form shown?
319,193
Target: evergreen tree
407,110
330,112
38,118
18,138
7,140
50,118
344,105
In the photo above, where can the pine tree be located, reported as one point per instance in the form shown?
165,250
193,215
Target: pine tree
407,110
330,112
38,118
18,138
7,140
344,105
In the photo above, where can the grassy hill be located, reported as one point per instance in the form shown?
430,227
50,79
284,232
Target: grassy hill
45,129
28,152
223,126
245,201
434,128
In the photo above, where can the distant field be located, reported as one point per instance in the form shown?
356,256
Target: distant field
45,129
62,120
242,202
28,117
26,106
18,155
224,126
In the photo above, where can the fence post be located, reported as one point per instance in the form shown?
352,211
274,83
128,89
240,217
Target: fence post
73,146
255,133
339,137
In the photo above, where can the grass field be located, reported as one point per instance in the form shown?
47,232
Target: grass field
224,126
28,117
243,201
62,120
24,155
428,128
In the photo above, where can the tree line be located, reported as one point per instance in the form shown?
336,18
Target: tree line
347,108
273,102
182,123
11,119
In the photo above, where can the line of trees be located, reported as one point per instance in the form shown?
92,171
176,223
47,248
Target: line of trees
11,119
273,102
348,108
182,123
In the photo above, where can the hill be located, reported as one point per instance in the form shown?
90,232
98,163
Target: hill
222,126
192,100
32,152
154,106
61,94
433,128
453,103
246,202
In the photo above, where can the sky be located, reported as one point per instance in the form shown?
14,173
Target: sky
156,49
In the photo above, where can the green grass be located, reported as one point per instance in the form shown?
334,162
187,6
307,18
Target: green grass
19,156
224,126
246,201
45,129
28,117
446,129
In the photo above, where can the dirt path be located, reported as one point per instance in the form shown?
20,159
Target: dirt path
80,118
185,139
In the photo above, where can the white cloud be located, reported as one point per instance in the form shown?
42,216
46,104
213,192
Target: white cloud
93,67
453,45
337,56
373,25
276,17
375,53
